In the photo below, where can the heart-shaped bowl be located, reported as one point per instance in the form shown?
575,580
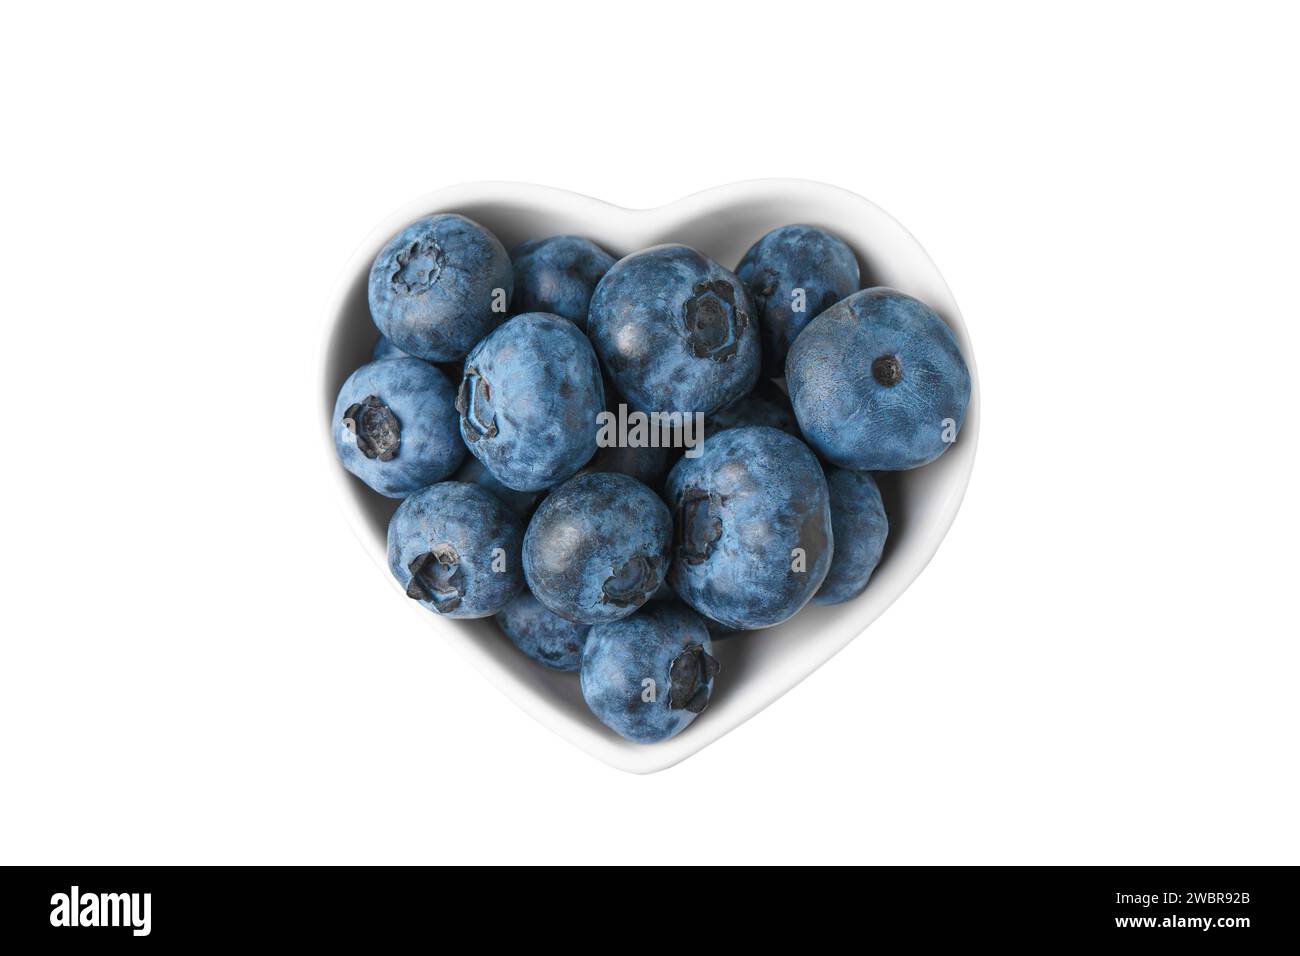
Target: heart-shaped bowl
757,667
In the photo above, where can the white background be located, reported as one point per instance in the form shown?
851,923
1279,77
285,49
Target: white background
199,662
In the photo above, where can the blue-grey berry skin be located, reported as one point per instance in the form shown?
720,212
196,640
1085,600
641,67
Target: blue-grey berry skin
646,677
385,349
740,511
754,409
558,275
528,401
785,260
434,287
547,638
522,503
860,527
598,547
675,331
395,426
878,383
455,549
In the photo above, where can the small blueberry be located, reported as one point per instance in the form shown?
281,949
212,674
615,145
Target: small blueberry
647,676
793,273
675,331
878,383
558,275
439,286
547,638
598,547
752,527
456,549
860,528
395,426
529,401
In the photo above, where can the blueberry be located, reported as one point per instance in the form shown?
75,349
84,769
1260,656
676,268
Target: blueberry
558,275
860,528
545,637
878,383
439,286
649,675
385,349
521,503
675,331
793,274
455,548
395,426
598,547
529,400
752,527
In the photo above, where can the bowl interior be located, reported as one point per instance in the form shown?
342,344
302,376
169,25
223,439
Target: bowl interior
759,666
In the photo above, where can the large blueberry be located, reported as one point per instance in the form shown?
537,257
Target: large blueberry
529,399
455,548
649,675
878,383
598,547
558,275
860,527
395,426
752,527
439,286
675,331
793,274
545,637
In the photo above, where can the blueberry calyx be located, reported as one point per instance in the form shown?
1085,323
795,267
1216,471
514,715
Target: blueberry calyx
418,267
378,431
632,584
688,679
436,577
713,321
474,402
696,526
886,370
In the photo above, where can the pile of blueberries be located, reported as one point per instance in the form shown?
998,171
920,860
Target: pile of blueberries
624,561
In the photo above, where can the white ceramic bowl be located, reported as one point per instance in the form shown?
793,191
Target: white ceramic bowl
758,667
